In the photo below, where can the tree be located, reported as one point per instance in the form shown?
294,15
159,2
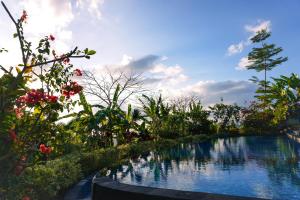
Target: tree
227,116
104,86
263,58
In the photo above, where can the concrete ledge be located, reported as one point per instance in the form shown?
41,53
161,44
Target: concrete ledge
104,188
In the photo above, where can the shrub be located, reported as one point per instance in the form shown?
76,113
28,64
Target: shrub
44,181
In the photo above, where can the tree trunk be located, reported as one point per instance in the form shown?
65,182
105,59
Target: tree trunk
265,81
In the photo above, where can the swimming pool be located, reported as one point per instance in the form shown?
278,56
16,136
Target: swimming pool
252,166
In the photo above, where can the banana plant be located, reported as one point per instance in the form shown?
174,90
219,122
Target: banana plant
156,112
283,95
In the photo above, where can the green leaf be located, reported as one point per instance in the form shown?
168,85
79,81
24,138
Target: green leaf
91,52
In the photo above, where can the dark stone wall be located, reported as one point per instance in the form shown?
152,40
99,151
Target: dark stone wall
106,189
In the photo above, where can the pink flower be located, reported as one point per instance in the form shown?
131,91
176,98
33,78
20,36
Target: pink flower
51,37
77,72
24,16
19,113
66,60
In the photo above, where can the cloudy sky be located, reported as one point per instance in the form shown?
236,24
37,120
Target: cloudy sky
181,47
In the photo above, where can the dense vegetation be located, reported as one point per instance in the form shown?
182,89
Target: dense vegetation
41,154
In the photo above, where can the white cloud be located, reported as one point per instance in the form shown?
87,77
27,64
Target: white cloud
236,48
212,91
260,25
243,63
168,71
252,29
126,59
93,6
47,16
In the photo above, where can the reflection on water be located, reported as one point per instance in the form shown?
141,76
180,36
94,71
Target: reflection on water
266,167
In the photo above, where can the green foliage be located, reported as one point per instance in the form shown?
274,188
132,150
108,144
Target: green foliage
282,96
257,120
44,181
226,116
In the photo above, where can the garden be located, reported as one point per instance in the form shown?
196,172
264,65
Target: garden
52,136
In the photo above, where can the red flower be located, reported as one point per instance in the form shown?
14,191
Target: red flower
77,72
48,150
24,16
52,99
44,149
51,37
71,89
31,98
12,134
26,198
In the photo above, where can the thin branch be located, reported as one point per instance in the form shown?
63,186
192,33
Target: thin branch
5,70
18,32
69,55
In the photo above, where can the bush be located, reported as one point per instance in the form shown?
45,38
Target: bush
258,122
44,181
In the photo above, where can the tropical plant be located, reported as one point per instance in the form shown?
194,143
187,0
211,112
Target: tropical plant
283,96
156,113
198,122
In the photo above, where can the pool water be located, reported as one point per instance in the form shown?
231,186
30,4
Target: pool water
253,166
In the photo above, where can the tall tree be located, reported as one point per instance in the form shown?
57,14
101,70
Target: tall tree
264,58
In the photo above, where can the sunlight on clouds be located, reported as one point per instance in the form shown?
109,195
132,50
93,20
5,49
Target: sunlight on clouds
47,16
93,6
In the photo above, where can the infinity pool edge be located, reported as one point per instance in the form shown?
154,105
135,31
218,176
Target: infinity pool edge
105,188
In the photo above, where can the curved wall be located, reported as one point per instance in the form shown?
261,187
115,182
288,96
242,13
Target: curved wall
104,188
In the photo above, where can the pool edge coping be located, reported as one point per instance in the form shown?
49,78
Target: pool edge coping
110,187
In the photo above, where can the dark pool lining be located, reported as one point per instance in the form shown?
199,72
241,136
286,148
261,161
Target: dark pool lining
105,188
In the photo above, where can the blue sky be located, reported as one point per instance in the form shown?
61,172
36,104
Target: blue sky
182,43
